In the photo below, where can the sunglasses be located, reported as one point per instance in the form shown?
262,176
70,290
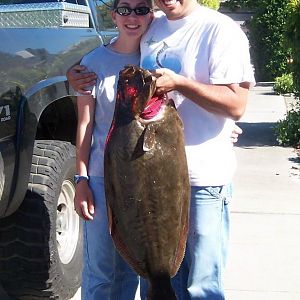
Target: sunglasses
126,11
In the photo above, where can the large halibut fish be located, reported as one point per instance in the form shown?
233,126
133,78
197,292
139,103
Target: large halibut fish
146,181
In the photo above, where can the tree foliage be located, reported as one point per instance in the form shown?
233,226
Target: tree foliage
237,4
293,39
267,36
214,4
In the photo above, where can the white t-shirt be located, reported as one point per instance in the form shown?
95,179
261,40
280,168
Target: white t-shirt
209,47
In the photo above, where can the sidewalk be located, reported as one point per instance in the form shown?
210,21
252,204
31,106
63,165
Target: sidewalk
264,260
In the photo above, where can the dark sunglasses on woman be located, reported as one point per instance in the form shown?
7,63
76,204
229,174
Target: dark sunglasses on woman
126,11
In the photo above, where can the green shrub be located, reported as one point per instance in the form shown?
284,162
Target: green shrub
284,84
288,130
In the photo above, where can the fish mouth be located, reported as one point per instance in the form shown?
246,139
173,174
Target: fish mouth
153,107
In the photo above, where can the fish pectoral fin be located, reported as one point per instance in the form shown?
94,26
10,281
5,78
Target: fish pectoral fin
149,138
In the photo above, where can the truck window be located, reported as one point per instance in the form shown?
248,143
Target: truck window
103,14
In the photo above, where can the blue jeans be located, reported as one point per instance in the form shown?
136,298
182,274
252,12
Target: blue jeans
105,274
201,272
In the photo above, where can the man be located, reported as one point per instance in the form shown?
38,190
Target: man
201,58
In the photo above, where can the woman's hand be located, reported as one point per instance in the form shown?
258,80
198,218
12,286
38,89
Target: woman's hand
84,201
80,79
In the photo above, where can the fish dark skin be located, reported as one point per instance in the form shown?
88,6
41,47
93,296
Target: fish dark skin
146,181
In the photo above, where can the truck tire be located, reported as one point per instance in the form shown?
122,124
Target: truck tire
41,244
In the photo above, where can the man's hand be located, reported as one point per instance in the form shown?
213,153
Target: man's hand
84,201
80,79
166,80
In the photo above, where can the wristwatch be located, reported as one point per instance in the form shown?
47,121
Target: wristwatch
78,178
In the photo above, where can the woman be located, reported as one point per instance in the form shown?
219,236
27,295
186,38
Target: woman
105,274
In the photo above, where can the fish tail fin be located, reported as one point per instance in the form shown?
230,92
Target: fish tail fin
161,288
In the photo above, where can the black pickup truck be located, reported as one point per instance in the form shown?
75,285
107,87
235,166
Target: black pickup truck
40,234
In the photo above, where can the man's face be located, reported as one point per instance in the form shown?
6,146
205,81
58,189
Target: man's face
176,9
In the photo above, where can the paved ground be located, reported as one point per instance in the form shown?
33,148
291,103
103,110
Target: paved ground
264,259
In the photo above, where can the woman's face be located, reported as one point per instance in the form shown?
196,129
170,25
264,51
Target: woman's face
134,24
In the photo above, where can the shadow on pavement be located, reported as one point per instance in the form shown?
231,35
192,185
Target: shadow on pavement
269,94
257,135
262,135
